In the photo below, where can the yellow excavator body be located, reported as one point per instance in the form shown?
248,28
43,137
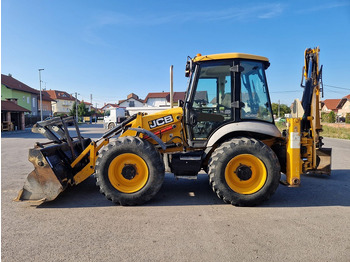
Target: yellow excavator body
224,127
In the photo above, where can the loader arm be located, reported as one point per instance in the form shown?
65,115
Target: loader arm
305,153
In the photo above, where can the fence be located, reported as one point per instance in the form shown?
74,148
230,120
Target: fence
31,120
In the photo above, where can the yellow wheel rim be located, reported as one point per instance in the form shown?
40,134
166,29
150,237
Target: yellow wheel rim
128,173
245,174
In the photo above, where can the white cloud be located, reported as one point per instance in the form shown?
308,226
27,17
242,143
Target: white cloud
232,14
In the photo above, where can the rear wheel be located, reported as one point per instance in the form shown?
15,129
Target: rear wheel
129,171
244,172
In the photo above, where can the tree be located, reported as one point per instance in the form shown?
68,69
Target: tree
82,110
284,109
72,111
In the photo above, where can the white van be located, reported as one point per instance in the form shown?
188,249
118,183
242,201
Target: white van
113,117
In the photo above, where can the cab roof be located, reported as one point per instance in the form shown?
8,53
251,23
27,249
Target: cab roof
199,57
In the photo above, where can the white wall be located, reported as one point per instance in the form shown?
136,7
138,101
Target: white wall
157,102
127,103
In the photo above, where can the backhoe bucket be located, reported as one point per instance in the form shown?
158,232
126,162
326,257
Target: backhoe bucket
324,156
52,161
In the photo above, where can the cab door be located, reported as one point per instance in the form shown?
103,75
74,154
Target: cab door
210,103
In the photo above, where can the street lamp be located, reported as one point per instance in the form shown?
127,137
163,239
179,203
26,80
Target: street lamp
41,97
76,105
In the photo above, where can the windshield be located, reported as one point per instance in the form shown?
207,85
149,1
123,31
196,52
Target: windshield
107,113
254,92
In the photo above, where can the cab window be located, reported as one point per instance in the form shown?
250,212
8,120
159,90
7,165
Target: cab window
254,97
212,98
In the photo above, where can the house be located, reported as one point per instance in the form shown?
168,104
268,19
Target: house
163,98
12,116
344,106
47,107
108,106
63,102
131,101
329,105
179,96
20,93
157,99
88,105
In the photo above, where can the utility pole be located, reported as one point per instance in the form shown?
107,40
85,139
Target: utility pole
76,106
171,86
41,96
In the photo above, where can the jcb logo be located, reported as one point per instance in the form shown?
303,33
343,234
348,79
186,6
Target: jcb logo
161,121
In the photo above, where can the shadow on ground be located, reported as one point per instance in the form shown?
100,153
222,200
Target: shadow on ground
315,191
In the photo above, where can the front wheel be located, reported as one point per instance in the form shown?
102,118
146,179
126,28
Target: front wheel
111,125
129,171
244,172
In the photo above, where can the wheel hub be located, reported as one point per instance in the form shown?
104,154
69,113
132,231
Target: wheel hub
243,172
129,171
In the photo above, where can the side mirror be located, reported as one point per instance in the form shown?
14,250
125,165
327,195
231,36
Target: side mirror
188,69
180,103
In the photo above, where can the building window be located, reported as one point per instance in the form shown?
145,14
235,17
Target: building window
34,102
28,100
132,103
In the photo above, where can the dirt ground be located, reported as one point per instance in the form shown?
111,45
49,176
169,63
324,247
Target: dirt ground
337,125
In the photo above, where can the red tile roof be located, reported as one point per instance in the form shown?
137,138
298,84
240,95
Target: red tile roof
343,101
62,95
165,95
13,83
112,105
12,107
331,104
45,96
179,96
137,99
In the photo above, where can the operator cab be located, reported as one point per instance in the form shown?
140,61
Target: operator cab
225,88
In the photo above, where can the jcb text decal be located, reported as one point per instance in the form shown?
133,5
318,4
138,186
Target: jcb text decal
161,121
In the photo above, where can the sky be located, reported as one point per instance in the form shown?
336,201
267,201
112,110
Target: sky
113,48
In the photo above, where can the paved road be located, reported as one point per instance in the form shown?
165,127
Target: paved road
185,221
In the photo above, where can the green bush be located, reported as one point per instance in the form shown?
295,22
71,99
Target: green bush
331,117
347,118
328,117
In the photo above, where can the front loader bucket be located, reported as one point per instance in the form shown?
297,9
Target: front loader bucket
52,162
52,171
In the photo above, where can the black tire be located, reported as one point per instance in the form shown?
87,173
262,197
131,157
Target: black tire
266,178
111,125
139,150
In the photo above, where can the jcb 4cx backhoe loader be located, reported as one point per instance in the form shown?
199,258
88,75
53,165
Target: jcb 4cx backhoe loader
225,126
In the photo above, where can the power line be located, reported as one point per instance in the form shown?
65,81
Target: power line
337,87
286,91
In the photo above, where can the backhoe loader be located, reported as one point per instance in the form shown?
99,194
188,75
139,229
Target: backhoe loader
225,127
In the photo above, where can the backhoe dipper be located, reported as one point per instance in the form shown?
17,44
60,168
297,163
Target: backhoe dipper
225,126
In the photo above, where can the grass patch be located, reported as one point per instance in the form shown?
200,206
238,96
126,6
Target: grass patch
335,132
281,126
328,131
